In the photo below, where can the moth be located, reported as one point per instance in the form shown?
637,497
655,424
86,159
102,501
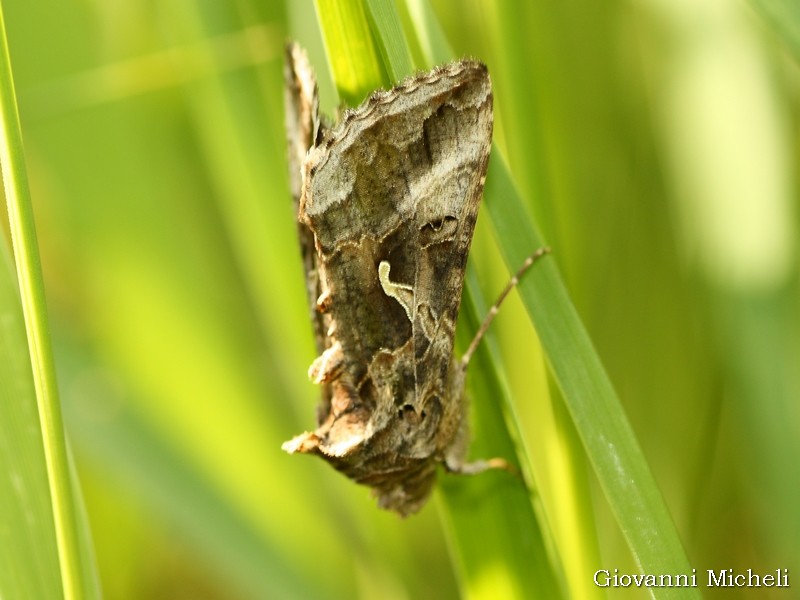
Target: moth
387,201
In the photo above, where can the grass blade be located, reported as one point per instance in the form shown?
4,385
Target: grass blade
28,552
351,48
601,423
56,463
395,53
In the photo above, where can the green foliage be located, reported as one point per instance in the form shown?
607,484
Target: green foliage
44,550
651,146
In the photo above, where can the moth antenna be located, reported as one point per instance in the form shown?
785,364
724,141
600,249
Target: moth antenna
512,283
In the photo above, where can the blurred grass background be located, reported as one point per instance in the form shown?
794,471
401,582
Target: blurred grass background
657,143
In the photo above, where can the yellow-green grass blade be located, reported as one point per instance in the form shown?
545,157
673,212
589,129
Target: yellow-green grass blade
28,553
40,509
350,46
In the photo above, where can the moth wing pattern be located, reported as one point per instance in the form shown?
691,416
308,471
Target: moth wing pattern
391,196
400,180
458,138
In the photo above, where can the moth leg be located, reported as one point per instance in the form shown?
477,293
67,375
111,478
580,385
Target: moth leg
454,457
479,466
496,306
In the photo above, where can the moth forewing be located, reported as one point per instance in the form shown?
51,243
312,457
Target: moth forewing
390,196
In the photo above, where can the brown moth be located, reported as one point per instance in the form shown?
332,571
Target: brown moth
386,203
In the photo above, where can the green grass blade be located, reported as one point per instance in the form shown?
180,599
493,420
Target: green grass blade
601,423
66,528
389,38
497,537
351,48
28,552
429,32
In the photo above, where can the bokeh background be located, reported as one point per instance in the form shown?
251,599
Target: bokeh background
664,136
